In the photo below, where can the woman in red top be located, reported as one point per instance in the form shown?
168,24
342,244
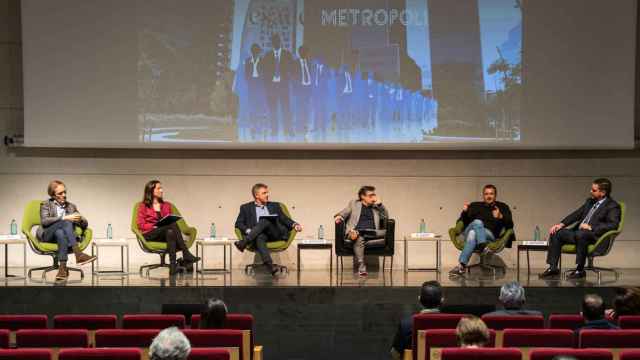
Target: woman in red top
154,208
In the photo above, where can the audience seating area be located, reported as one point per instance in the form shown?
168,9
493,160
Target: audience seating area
102,337
526,337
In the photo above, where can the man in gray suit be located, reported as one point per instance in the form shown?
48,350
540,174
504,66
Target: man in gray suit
58,217
364,217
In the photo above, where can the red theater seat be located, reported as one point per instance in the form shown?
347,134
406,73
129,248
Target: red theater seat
218,338
209,354
629,322
141,338
501,322
538,338
597,338
16,322
444,338
100,354
233,321
565,321
630,355
25,354
36,338
4,338
429,321
481,354
89,322
580,354
152,321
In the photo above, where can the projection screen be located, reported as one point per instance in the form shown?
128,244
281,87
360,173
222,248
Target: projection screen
382,74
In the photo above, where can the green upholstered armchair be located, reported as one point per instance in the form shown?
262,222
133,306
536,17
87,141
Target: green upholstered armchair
156,247
30,220
494,247
601,247
273,246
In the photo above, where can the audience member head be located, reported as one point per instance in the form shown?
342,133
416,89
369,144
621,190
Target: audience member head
626,301
564,357
512,296
601,188
57,191
592,307
489,193
431,295
213,314
260,193
152,191
472,332
367,194
170,344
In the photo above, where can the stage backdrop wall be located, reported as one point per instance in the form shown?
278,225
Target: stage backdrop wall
541,187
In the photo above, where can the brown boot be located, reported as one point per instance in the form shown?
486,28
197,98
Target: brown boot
63,272
82,258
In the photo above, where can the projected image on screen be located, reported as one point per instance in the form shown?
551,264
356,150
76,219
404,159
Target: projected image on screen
331,71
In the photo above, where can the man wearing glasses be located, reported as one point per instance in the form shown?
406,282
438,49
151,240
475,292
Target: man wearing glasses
365,217
58,217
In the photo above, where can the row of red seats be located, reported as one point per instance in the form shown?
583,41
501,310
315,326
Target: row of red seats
525,338
442,330
129,321
535,354
103,354
500,322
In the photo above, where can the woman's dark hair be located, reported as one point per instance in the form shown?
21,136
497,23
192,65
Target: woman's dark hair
626,301
213,314
147,198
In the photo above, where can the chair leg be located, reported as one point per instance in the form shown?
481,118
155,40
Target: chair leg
150,267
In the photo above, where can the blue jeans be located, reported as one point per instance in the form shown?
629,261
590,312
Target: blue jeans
475,234
61,233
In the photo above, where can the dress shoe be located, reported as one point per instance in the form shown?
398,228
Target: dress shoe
577,274
362,269
549,273
459,270
82,258
239,245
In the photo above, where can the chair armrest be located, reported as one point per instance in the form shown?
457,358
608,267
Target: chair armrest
257,352
408,354
192,233
339,235
454,232
390,235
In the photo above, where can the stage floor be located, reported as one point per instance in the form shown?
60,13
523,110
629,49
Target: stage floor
324,278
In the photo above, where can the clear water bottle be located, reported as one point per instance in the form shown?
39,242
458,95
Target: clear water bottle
14,227
321,232
536,234
212,231
423,227
109,232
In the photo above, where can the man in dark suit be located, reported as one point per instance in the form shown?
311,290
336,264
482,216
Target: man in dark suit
277,65
599,214
258,229
303,76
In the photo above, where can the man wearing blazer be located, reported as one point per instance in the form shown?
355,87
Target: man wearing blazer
277,65
365,213
258,229
599,214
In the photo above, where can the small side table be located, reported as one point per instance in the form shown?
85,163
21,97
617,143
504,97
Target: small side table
316,245
523,246
408,239
95,250
7,240
225,243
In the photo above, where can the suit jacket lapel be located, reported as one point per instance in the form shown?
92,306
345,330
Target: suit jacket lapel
252,214
599,209
357,210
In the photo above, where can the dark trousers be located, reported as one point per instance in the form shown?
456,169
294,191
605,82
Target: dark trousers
172,235
581,238
265,231
61,233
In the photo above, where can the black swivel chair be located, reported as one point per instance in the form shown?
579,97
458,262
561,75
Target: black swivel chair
380,247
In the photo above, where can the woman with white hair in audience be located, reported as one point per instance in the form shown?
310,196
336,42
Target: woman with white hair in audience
512,299
170,344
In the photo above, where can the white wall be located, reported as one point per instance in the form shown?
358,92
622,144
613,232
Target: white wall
541,187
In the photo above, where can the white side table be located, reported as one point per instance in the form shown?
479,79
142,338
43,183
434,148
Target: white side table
7,240
96,244
422,238
224,243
